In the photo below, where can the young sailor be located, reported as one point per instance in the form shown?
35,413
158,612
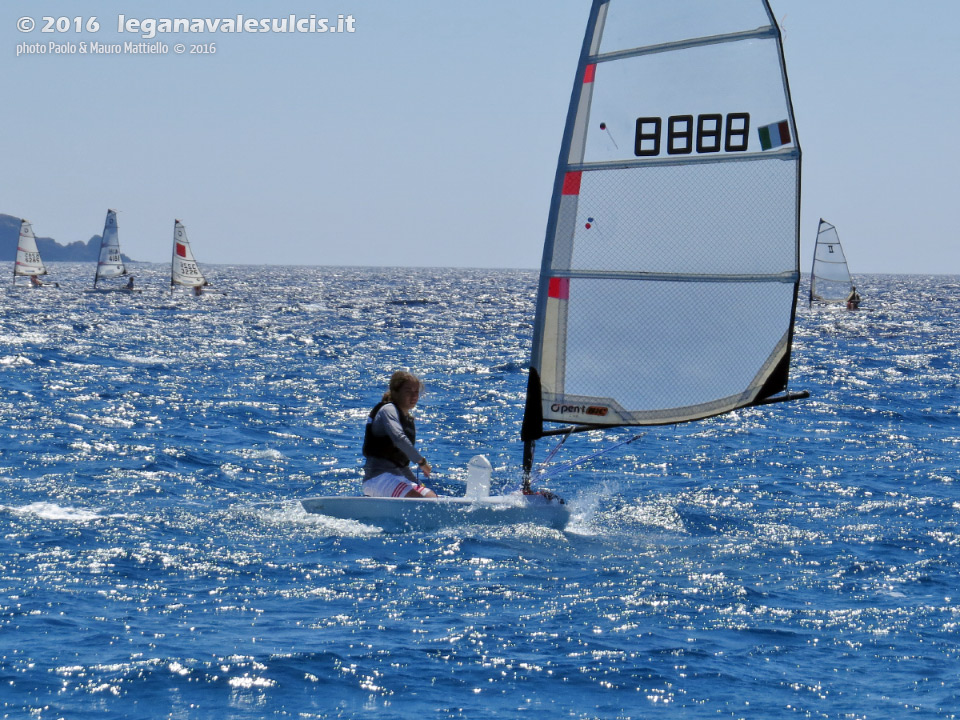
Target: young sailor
388,443
853,299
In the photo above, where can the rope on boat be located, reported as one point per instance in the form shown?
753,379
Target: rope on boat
543,472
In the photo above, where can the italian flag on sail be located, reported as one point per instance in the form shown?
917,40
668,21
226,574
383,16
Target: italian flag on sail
774,135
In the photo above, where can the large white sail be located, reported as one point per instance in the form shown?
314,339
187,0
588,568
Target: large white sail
830,280
110,264
28,256
671,263
183,268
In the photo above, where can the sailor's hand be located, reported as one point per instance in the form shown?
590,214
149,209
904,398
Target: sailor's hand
425,466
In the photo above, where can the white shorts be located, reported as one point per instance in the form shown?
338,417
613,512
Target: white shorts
390,485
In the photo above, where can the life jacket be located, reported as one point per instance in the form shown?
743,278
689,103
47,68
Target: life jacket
381,446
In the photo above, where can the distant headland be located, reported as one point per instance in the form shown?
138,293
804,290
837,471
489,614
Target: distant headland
50,249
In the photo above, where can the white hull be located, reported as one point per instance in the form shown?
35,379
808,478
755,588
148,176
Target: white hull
45,286
416,514
188,291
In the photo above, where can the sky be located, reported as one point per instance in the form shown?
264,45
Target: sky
429,135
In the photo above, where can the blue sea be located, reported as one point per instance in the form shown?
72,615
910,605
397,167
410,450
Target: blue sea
796,560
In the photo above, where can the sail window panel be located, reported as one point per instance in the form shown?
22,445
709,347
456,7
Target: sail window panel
630,24
715,218
828,290
718,341
729,80
829,261
827,237
833,270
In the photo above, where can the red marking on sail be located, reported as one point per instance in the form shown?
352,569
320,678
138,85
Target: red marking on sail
181,250
784,128
559,288
571,183
589,72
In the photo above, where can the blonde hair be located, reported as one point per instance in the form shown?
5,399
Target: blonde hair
397,381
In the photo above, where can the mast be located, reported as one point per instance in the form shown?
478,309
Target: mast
173,257
532,428
813,265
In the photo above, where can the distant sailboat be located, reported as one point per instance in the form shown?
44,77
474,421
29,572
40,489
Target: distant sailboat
110,264
28,262
183,268
830,280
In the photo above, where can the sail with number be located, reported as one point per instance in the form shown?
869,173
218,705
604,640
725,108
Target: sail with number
183,268
28,262
830,280
110,264
670,268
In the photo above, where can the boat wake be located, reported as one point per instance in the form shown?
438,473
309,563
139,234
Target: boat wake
291,513
52,511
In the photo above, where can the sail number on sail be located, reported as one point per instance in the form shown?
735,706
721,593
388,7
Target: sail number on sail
189,268
712,131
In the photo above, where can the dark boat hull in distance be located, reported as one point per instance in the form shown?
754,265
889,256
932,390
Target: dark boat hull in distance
121,289
417,514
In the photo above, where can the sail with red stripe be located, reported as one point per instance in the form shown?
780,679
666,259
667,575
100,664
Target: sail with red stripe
183,268
671,262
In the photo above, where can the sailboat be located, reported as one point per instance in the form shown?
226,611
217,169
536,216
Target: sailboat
110,263
29,263
183,268
830,280
670,270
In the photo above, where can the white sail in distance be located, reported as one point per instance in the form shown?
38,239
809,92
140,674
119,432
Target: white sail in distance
184,269
28,256
830,280
110,264
671,262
